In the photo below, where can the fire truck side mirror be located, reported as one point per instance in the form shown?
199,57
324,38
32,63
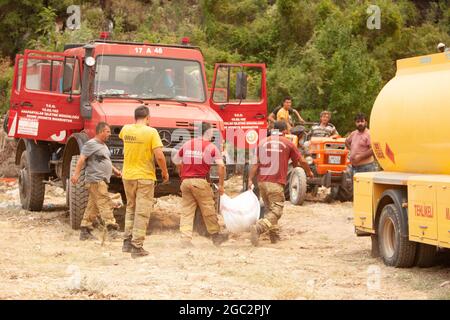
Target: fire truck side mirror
241,85
85,104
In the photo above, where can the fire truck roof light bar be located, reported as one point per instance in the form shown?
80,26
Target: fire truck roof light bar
148,44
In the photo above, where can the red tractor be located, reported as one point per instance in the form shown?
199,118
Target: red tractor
58,98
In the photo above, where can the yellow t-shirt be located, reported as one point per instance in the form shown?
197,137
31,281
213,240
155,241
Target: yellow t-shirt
282,114
139,141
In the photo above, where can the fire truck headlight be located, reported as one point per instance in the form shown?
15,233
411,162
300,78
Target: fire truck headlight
90,61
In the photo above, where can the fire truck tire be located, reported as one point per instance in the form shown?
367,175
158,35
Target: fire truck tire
426,255
31,186
78,196
395,250
67,193
297,186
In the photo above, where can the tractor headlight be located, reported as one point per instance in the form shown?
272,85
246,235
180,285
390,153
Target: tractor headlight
309,160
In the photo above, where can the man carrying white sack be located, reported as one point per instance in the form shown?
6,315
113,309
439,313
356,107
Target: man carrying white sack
194,160
271,168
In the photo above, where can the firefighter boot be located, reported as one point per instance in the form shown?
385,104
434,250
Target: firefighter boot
137,252
274,237
219,238
126,245
85,234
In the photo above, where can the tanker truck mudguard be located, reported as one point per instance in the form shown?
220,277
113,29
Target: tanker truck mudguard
405,209
57,99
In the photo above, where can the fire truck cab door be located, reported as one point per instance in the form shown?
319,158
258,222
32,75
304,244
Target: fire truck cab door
14,104
46,96
239,96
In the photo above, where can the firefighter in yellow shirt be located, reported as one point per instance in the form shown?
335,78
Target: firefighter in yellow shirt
142,146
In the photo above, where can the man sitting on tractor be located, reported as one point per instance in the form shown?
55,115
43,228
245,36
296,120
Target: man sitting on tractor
324,128
283,113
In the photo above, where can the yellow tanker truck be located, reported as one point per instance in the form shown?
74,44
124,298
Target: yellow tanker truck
406,208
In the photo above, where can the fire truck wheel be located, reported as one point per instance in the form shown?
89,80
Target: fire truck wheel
78,197
67,193
395,250
297,186
31,186
425,255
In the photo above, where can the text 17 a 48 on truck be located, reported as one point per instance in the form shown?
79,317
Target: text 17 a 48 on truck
58,98
406,207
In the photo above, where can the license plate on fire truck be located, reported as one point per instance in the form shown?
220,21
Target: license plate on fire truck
334,159
116,151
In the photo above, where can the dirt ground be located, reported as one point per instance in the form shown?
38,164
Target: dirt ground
319,257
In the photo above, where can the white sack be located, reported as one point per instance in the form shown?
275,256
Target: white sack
240,212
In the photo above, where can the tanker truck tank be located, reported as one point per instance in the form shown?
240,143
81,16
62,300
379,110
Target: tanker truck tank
410,120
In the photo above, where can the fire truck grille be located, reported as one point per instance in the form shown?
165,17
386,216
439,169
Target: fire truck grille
171,138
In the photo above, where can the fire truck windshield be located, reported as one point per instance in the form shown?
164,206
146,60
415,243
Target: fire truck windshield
149,78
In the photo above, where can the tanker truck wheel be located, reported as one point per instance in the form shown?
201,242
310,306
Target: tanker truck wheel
31,186
78,196
395,250
425,255
297,186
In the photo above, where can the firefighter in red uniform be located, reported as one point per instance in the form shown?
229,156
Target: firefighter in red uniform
271,169
194,160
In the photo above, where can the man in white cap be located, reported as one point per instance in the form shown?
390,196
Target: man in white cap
441,47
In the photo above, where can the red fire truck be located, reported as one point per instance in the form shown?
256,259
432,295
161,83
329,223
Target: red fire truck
58,98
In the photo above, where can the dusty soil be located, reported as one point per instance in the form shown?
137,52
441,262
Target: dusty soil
319,257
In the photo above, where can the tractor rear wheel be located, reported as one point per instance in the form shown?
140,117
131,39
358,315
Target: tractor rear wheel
395,250
345,192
